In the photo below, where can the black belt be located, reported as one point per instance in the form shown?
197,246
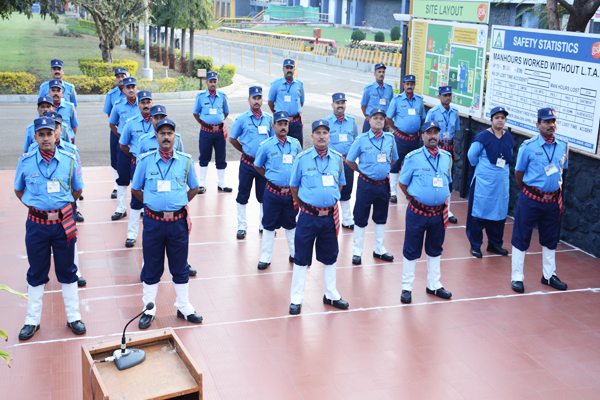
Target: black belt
549,196
318,211
373,181
212,127
247,157
48,215
280,189
294,118
166,214
427,209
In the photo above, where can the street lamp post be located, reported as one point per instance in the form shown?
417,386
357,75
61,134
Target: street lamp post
146,71
405,18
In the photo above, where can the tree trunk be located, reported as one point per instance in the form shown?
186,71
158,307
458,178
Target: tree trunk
106,53
552,12
150,41
158,49
165,49
585,11
183,64
172,49
191,50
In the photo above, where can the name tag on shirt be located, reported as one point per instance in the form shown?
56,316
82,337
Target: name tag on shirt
262,130
500,162
53,187
287,99
412,111
343,137
551,169
381,157
287,158
382,102
164,186
328,180
446,135
438,182
213,111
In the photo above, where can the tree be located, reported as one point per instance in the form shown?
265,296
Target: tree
552,15
7,7
580,13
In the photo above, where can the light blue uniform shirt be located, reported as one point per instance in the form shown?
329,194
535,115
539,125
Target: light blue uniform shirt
33,175
375,96
280,91
449,120
367,148
535,155
308,174
113,95
69,116
179,171
491,185
407,114
123,111
347,129
270,156
134,128
149,142
246,130
205,103
418,172
69,92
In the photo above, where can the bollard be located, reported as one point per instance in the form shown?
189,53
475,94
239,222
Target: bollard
270,56
297,68
255,58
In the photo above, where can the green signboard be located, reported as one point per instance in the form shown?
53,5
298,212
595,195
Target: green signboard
460,11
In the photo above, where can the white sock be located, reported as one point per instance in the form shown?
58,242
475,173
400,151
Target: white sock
266,248
518,260
116,175
149,296
71,299
203,172
329,274
548,262
34,305
298,281
394,184
359,241
347,219
241,217
379,239
133,226
290,234
182,302
121,199
221,178
408,273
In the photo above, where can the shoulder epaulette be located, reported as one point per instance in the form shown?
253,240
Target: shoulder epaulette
349,116
442,151
388,134
530,140
335,152
303,153
298,80
292,139
122,99
181,153
145,135
27,155
412,153
142,156
113,90
70,155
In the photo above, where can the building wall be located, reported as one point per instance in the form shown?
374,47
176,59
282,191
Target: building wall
242,8
380,13
500,14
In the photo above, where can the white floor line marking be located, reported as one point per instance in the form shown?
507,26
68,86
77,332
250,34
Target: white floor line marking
364,83
350,310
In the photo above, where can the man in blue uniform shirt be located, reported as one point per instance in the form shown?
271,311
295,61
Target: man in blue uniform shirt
248,131
376,95
57,72
47,182
316,182
115,94
448,119
210,111
424,180
122,111
161,182
376,152
64,108
287,94
44,106
343,132
405,116
135,127
274,160
148,141
540,164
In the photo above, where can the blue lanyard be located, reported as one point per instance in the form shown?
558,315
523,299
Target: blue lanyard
317,165
446,120
278,144
144,127
259,120
430,163
50,177
212,102
374,145
289,85
381,96
168,169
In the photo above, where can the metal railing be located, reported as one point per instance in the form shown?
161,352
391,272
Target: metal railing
285,44
369,56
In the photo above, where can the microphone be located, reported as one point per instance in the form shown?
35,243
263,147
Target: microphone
127,358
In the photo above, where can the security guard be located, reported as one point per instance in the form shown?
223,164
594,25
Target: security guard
148,141
376,152
64,108
115,94
274,161
316,182
425,179
287,94
57,72
376,95
540,164
44,106
135,127
448,119
122,111
48,181
210,110
342,134
248,131
161,182
405,116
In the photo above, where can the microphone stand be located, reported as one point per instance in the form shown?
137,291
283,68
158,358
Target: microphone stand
127,358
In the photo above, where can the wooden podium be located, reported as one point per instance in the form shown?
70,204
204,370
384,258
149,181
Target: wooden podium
167,373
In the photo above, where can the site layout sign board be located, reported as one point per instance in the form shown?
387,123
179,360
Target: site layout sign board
461,11
450,53
532,69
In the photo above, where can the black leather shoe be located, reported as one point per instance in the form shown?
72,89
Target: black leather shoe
201,190
394,199
555,283
295,309
441,293
263,265
241,234
225,189
28,331
406,296
384,257
77,327
476,253
113,195
291,259
130,243
351,227
517,286
452,220
142,213
81,282
497,250
145,321
260,230
117,216
79,217
194,318
192,271
341,304
356,260
80,197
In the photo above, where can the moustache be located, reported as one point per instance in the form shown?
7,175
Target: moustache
166,141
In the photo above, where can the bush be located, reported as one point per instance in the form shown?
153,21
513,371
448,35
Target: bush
380,37
16,83
67,32
141,46
284,32
225,74
87,24
202,62
167,85
395,33
357,36
91,85
95,67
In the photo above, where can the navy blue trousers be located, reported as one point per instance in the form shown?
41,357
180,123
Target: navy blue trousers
531,212
367,195
278,211
43,240
135,203
475,226
404,147
247,175
159,236
209,141
416,228
123,168
347,190
319,232
114,148
296,131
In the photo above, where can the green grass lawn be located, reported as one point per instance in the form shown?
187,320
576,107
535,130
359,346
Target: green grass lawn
340,35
